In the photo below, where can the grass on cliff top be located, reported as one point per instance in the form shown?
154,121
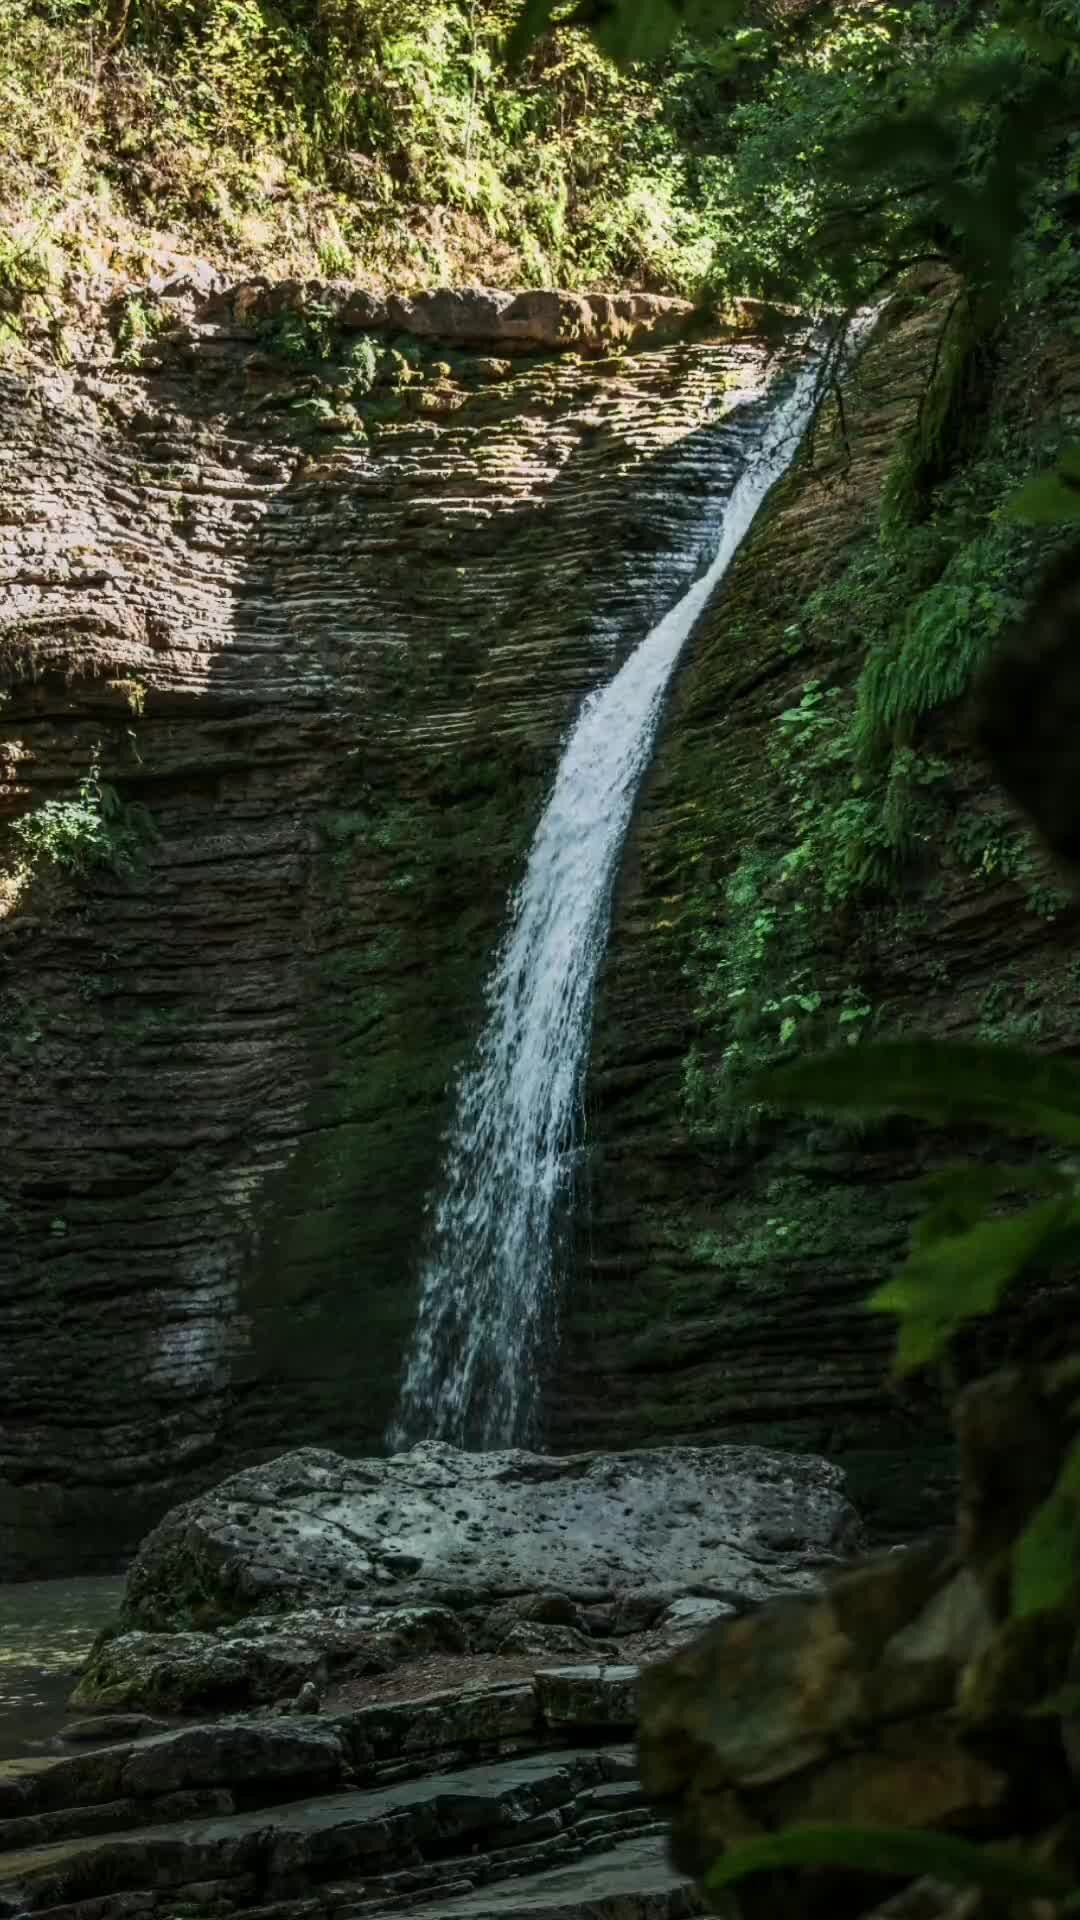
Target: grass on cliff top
379,140
387,142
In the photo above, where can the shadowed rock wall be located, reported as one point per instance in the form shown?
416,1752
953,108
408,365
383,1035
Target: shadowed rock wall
720,1284
328,634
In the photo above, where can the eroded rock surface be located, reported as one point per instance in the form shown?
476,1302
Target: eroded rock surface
438,1525
722,1271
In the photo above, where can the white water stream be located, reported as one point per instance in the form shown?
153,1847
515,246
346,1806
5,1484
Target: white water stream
486,1312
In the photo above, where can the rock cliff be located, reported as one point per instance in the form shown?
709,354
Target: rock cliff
722,1264
302,587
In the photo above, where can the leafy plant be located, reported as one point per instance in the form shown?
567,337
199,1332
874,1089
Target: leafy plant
964,1255
1051,498
96,828
894,1851
138,323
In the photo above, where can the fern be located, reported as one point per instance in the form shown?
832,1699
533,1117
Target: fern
946,637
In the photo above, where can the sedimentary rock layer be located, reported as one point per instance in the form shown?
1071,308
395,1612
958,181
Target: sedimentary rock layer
318,623
720,1281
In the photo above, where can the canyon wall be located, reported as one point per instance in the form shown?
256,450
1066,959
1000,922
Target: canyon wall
304,589
725,1254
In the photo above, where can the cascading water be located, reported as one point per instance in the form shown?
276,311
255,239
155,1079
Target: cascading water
486,1305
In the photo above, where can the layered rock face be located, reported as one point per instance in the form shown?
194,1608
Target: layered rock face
720,1282
315,603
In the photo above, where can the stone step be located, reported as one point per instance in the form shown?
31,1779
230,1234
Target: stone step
247,1761
631,1882
514,1812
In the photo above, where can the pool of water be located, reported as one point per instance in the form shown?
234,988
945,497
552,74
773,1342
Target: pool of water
46,1630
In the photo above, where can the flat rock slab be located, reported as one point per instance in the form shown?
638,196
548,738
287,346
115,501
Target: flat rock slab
734,1523
269,1758
331,1834
633,1882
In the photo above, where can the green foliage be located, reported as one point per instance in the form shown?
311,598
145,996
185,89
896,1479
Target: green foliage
94,829
931,655
947,416
1046,1560
1051,498
852,830
832,202
894,1851
307,333
317,140
964,1254
961,1263
946,1082
138,324
962,1258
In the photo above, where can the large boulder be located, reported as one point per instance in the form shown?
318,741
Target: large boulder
437,1526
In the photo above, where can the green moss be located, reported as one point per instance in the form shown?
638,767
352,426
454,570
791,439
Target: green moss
950,410
171,1590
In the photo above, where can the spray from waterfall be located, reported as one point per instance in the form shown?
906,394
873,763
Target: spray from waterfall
487,1309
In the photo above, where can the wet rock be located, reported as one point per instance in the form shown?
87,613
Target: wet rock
500,1806
532,1637
481,1717
268,1658
634,1883
849,1694
692,1613
443,1525
236,1753
104,1727
590,1696
906,1694
186,1672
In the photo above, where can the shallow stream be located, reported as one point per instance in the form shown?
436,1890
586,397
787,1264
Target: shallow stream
46,1631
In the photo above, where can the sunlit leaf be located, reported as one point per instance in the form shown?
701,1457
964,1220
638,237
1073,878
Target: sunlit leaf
893,1851
1046,1559
937,1080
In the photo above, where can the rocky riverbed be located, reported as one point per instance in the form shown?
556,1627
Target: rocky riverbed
345,1688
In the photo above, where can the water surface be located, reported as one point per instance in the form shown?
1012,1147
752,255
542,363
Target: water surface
46,1630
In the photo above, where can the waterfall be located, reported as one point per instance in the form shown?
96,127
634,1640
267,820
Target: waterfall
486,1311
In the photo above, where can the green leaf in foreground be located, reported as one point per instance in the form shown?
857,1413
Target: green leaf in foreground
1052,498
1046,1560
936,1080
894,1851
951,1277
